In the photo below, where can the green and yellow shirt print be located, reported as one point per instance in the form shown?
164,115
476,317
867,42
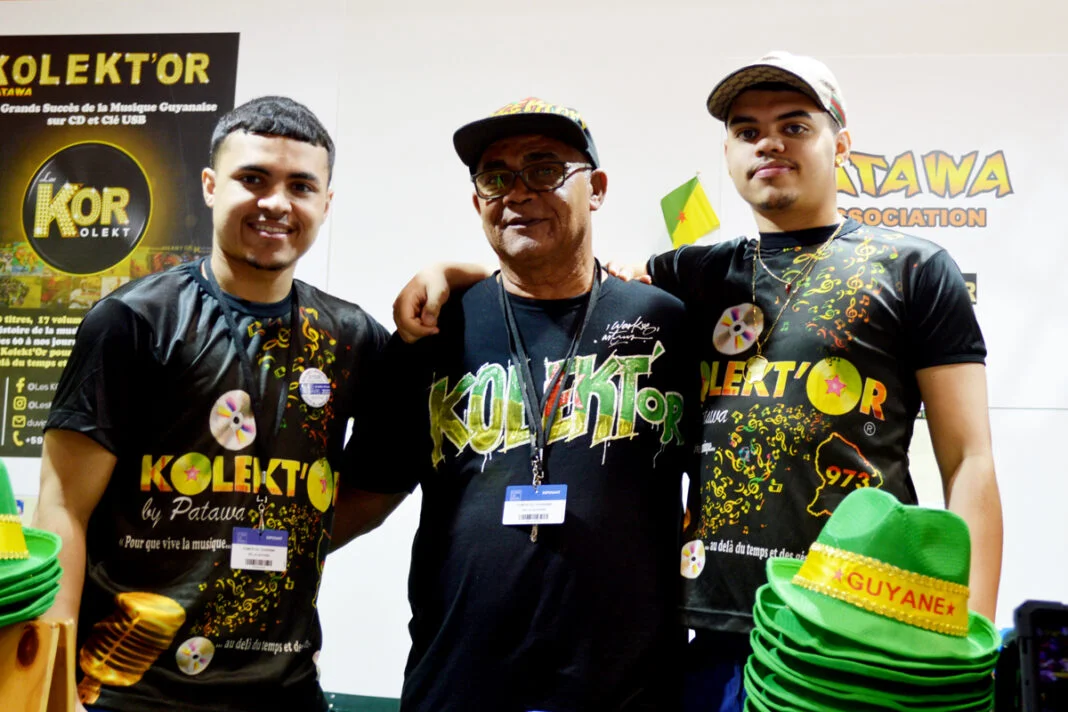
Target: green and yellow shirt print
176,601
835,407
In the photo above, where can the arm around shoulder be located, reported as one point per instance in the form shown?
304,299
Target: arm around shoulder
416,308
636,271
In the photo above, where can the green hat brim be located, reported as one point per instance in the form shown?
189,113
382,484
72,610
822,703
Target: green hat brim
780,693
48,571
800,659
34,586
756,690
14,614
872,630
752,704
774,615
43,547
853,698
845,687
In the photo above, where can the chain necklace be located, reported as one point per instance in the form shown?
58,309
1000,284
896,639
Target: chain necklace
788,283
757,365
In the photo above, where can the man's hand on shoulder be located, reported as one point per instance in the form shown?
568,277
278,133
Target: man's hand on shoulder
638,271
417,307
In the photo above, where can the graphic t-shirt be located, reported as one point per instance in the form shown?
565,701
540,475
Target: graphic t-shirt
835,407
205,553
585,618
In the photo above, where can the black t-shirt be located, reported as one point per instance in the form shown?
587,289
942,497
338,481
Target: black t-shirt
586,617
154,377
836,408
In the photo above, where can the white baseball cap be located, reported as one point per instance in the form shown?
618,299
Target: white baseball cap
806,74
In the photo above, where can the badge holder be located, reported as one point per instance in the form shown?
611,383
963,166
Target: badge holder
531,505
259,548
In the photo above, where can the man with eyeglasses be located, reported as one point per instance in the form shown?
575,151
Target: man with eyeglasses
820,341
547,425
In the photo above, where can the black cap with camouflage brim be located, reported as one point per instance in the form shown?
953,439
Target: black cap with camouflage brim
527,116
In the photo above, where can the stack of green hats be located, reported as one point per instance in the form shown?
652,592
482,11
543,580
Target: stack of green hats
875,618
29,569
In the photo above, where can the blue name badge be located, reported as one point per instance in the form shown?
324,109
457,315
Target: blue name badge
259,549
525,505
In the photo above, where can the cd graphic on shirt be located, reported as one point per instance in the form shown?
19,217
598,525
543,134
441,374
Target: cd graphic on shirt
738,329
194,655
232,422
693,559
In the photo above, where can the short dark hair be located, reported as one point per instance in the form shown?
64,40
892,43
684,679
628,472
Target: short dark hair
273,116
783,86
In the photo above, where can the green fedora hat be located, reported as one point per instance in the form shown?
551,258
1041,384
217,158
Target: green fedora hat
751,705
23,551
756,692
49,572
778,693
822,666
889,576
855,691
25,610
774,617
39,586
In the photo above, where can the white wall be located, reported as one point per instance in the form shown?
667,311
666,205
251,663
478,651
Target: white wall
394,80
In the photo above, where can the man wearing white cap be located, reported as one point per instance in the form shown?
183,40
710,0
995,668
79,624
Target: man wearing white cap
823,337
820,341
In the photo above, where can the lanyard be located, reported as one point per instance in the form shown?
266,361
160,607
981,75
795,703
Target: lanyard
541,426
255,392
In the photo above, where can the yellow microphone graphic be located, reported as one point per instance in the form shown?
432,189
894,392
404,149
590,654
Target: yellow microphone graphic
124,645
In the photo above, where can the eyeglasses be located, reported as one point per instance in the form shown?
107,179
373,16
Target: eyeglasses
537,177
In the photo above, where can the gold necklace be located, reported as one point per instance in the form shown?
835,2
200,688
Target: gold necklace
788,283
756,367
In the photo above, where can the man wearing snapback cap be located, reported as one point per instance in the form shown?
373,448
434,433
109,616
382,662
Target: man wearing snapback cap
821,340
549,442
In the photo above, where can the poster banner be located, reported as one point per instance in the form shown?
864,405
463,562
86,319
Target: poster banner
938,152
103,141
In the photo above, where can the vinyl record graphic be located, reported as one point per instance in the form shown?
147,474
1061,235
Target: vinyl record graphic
738,329
87,207
232,422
